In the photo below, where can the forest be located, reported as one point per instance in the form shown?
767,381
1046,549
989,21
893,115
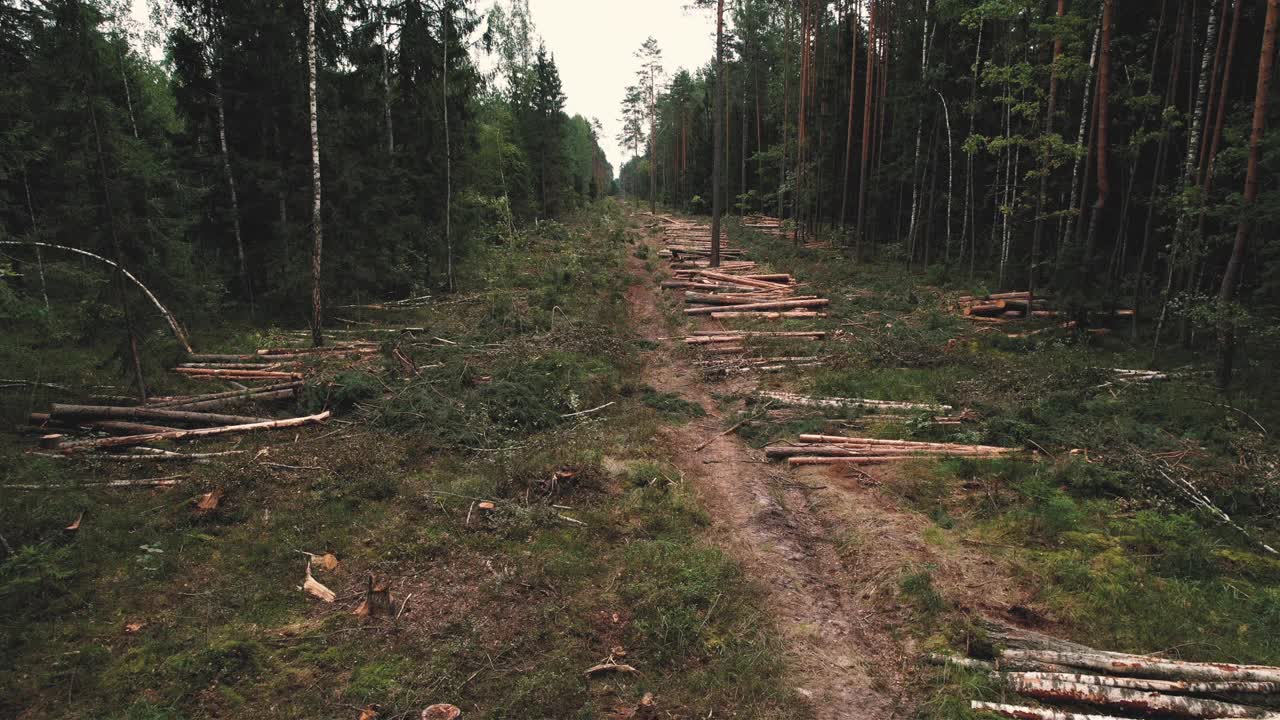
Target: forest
1113,153
913,359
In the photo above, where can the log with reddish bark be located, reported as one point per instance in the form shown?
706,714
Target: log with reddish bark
786,451
61,412
992,308
85,445
770,305
866,460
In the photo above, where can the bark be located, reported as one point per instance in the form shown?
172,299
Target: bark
1128,699
1164,686
1148,666
238,397
717,206
1022,712
1231,277
317,229
128,440
67,413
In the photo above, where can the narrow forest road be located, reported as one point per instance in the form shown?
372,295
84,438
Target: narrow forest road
842,659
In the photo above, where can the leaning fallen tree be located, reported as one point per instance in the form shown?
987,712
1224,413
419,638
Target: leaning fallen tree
128,440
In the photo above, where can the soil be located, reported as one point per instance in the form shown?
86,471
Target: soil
826,545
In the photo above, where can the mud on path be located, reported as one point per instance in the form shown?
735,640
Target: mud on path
827,550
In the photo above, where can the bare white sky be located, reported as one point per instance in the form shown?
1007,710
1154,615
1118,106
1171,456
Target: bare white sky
594,44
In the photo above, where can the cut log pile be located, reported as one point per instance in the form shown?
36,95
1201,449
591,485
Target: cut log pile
737,289
1057,672
1019,305
73,429
841,450
765,224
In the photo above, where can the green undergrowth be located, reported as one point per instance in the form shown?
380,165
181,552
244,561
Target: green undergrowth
595,545
1109,551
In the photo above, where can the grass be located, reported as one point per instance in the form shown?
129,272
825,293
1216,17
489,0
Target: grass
1105,546
155,610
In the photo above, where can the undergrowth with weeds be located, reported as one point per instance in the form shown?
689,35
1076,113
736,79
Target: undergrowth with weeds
1110,551
523,394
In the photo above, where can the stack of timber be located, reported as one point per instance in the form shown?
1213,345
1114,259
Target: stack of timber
765,224
1060,673
1005,306
746,296
1021,305
841,450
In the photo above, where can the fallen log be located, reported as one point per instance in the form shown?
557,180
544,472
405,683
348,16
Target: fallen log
1128,699
63,412
216,357
1023,712
986,309
785,451
239,374
255,396
83,445
764,315
226,395
1164,686
237,365
1151,667
773,305
793,400
759,333
41,420
820,460
743,280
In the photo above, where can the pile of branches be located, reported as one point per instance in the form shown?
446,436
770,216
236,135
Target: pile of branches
1057,672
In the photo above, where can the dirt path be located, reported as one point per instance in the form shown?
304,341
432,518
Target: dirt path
827,549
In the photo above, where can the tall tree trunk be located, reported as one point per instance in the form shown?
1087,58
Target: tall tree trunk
915,158
718,121
968,225
786,116
1086,114
1231,278
653,143
230,177
1189,171
317,230
860,225
1034,269
951,168
1104,117
35,235
386,79
848,139
445,27
1162,153
134,354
